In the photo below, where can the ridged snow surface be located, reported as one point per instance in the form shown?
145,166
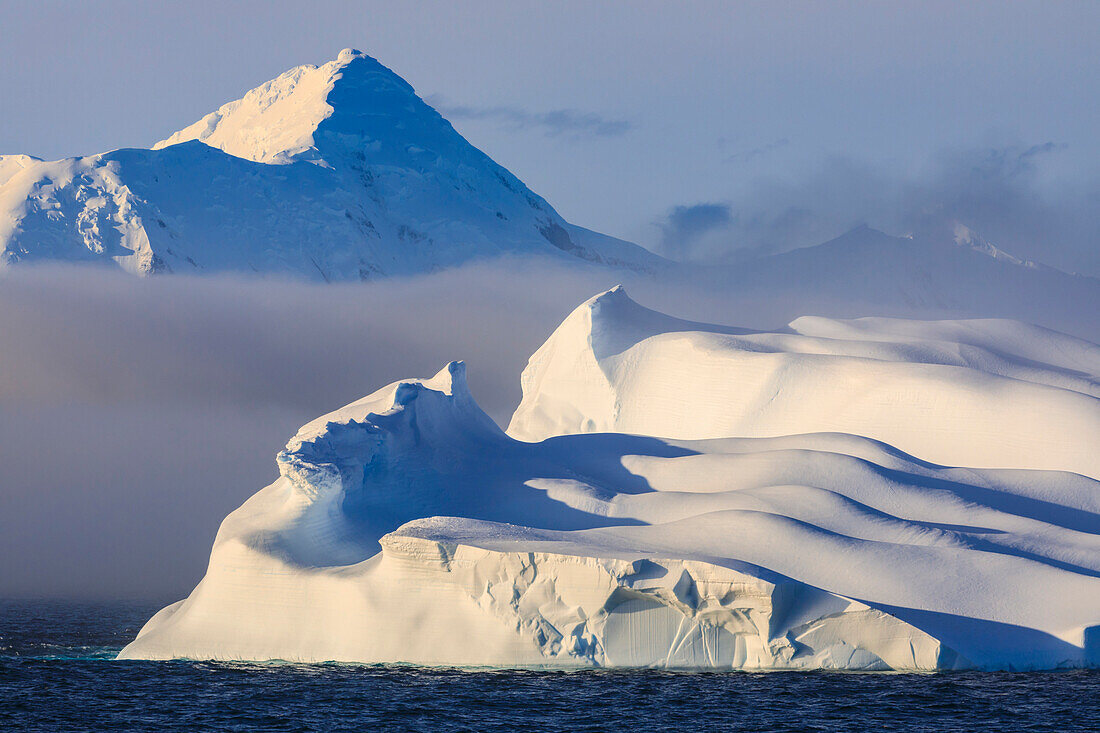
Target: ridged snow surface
407,527
989,393
337,172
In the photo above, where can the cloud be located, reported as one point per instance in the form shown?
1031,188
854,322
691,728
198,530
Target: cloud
684,227
555,123
135,414
1001,192
747,156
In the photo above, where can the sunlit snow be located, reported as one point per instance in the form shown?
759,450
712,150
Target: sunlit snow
636,530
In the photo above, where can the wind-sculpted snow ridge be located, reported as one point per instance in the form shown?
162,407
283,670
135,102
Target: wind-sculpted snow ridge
988,393
407,527
337,172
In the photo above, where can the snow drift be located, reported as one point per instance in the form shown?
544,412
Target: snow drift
407,527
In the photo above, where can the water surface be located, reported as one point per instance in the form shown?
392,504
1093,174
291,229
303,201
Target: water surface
57,673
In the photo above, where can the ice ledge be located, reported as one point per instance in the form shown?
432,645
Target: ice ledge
530,608
660,612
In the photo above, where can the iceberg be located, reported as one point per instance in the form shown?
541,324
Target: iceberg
987,393
682,495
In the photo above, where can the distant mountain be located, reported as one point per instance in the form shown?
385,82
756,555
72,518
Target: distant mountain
950,274
337,172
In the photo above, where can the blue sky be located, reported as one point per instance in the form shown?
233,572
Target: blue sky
786,122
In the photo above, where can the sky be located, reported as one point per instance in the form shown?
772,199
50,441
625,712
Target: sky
135,414
702,130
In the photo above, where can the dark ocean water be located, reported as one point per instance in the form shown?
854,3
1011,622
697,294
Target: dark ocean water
57,674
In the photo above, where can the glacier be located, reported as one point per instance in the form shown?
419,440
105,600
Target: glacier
685,495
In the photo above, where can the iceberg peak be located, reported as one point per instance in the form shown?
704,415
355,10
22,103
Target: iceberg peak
616,291
445,394
451,379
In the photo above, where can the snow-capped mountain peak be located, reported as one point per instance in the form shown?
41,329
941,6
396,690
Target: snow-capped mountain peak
356,115
337,172
278,122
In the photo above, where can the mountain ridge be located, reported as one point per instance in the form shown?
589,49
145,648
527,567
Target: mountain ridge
340,172
931,276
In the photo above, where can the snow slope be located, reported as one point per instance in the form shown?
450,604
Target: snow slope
407,527
337,172
989,393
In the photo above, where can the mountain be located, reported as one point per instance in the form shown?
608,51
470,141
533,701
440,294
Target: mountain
407,527
944,274
341,172
336,172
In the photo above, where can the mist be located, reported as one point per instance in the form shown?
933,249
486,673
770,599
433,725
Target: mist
136,413
1016,196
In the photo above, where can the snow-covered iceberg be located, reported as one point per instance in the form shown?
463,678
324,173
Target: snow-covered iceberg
407,527
988,393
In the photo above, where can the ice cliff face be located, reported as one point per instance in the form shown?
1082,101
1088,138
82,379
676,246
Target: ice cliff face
407,527
337,172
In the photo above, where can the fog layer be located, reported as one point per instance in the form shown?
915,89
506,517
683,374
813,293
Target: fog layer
135,414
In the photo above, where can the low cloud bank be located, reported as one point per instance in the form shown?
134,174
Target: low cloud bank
135,414
1008,194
